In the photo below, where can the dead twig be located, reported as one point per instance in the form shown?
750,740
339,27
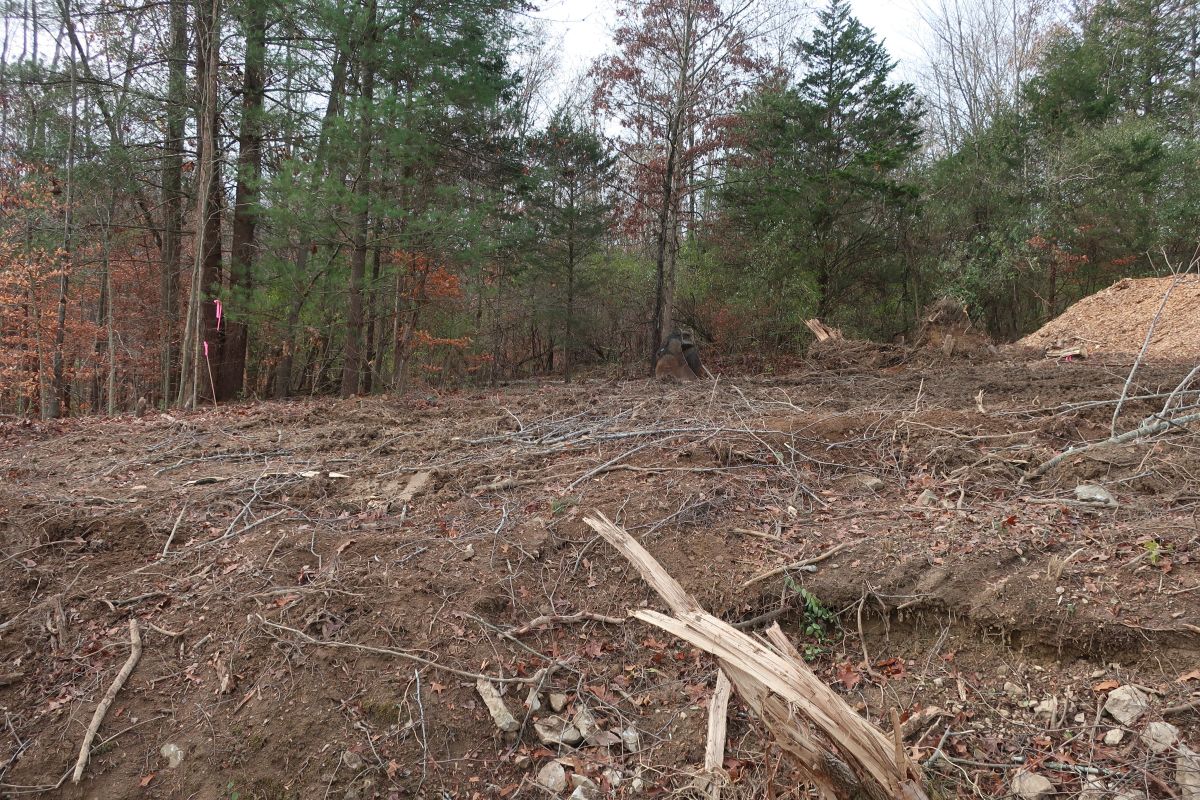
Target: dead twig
387,651
551,619
808,562
85,750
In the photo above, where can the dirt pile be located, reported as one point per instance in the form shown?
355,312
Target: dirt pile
1116,320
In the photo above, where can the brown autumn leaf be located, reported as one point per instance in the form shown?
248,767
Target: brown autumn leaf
847,674
1194,675
145,781
1105,686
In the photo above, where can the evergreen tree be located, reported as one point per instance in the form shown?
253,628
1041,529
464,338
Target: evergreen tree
571,210
821,172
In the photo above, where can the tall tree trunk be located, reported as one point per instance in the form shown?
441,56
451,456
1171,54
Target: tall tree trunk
192,362
241,265
374,329
172,195
352,358
59,393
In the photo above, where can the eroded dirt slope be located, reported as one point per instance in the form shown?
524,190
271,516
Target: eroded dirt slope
305,573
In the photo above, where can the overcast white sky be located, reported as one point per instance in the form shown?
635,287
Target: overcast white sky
584,27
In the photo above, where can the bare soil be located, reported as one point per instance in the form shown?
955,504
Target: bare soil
330,562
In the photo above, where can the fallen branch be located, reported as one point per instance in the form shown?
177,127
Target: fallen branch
1147,429
550,619
85,750
808,562
781,689
387,651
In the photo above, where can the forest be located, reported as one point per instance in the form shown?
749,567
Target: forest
203,201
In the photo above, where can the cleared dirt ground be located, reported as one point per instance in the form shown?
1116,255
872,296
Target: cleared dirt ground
329,560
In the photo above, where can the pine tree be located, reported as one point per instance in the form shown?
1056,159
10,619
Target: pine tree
821,168
571,210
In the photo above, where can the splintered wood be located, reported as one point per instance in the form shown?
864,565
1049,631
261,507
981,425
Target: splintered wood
849,759
823,332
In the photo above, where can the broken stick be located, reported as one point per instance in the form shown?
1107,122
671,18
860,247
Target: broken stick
85,751
714,751
842,754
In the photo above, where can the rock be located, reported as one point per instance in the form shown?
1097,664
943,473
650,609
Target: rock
1160,737
533,701
587,793
1031,786
1013,690
584,722
1094,789
872,483
1126,704
552,777
558,701
1095,495
1187,773
1049,707
353,761
173,754
603,739
1114,737
580,781
503,718
556,730
928,499
631,740
613,776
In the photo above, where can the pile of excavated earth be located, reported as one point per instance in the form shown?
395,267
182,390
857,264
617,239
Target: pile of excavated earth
1117,320
399,598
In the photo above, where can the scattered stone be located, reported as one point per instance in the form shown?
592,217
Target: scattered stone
1013,690
556,730
533,701
872,483
503,718
631,740
603,739
1080,718
584,722
928,499
1114,737
1160,737
1096,495
1094,789
613,776
1049,707
173,754
552,777
581,781
352,760
1187,773
468,552
1126,704
1031,786
558,701
587,793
